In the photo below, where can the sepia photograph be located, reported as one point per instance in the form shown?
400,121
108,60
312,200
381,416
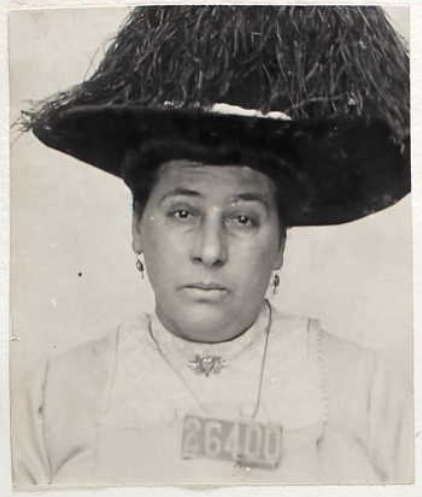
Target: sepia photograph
211,246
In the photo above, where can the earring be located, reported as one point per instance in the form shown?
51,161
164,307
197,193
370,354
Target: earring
275,283
140,265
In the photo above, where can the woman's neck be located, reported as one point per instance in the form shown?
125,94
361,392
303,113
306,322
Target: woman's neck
203,332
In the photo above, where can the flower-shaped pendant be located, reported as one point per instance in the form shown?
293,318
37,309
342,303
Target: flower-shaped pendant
207,364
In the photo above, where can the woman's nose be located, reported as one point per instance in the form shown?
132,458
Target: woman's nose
210,245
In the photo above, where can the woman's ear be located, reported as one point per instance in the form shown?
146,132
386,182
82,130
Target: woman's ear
278,260
136,234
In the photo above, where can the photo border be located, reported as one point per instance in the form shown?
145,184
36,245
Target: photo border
299,491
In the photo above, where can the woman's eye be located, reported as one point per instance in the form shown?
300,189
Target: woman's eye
182,215
243,221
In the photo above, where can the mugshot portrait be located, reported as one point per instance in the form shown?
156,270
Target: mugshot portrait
211,246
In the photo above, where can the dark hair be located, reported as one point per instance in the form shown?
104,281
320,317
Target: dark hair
140,170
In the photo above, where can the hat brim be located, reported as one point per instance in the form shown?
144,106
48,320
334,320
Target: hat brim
354,166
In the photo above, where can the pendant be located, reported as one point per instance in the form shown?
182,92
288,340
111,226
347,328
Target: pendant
207,364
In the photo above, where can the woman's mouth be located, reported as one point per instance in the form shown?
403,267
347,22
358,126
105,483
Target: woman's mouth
206,292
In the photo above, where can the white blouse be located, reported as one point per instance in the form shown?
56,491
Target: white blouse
111,412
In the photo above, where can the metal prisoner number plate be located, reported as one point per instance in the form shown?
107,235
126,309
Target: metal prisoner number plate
247,443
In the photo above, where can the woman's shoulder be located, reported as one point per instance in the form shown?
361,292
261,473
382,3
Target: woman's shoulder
77,376
358,381
344,364
331,346
89,364
352,369
314,340
87,357
343,356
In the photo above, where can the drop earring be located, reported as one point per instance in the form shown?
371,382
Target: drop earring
275,283
140,265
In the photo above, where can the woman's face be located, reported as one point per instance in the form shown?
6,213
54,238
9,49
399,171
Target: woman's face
211,238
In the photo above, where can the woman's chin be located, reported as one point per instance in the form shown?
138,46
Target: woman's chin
208,323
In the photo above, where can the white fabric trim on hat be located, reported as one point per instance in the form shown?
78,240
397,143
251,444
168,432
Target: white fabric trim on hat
222,108
236,110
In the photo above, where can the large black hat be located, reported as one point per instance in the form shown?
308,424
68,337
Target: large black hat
323,89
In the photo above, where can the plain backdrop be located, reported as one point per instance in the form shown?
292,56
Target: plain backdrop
73,273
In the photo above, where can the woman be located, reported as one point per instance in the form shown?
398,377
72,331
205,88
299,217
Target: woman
229,125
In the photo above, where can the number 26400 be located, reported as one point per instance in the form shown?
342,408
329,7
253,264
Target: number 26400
251,444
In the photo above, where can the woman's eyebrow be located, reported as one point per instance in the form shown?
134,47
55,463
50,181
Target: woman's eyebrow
252,197
180,191
240,197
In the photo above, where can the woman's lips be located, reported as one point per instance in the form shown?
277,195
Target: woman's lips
212,292
206,286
